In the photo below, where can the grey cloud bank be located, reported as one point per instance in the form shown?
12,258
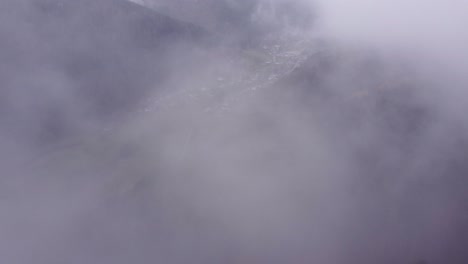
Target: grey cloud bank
233,132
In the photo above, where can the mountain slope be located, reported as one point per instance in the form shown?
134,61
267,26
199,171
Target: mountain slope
92,59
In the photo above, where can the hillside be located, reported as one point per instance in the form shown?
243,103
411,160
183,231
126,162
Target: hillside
85,60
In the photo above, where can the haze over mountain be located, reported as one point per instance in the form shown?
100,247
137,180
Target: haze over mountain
94,59
230,131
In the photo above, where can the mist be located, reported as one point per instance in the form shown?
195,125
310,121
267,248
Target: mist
233,131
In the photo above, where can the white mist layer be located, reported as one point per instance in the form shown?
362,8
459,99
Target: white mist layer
340,144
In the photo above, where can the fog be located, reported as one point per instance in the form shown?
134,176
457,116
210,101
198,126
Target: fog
202,131
432,31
